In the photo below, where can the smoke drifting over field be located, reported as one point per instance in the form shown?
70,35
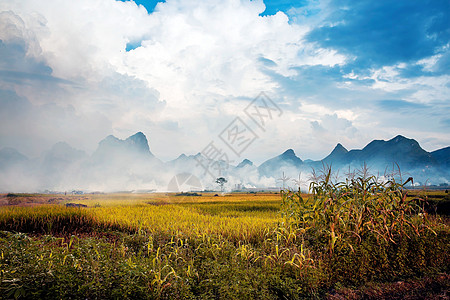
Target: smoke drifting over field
129,165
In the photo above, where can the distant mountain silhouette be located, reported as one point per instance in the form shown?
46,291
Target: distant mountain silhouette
17,171
138,142
338,154
442,156
405,152
61,155
183,158
112,148
289,156
10,157
129,164
378,155
244,163
287,159
397,154
58,163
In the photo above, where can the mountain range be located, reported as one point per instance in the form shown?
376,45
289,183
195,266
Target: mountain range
130,165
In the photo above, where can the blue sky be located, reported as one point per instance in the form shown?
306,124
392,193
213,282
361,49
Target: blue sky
181,71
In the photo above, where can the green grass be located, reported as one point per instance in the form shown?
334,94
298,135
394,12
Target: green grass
347,238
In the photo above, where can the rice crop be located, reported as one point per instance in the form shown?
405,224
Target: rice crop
342,236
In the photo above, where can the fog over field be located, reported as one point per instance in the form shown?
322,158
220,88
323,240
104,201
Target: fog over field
109,95
129,165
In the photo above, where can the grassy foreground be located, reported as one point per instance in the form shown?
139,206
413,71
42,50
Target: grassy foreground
355,239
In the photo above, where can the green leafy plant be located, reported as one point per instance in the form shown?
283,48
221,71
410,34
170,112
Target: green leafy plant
349,211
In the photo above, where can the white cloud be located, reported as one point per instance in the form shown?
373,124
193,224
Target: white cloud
193,56
197,66
188,49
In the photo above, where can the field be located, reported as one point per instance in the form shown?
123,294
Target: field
352,241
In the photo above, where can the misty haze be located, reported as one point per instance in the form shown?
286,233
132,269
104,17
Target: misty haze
129,165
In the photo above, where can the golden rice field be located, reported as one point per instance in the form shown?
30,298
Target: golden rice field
236,216
231,246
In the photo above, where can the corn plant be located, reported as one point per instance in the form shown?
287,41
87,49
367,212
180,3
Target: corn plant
348,211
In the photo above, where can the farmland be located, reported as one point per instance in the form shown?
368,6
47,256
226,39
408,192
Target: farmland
351,240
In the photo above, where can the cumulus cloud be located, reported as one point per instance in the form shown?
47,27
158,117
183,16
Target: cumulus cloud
181,70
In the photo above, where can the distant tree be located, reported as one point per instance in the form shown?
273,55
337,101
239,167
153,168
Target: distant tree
221,181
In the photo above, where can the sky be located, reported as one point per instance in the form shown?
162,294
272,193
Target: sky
181,72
